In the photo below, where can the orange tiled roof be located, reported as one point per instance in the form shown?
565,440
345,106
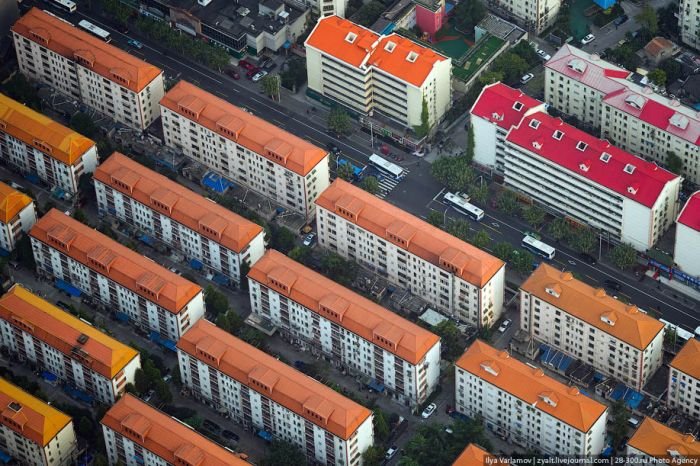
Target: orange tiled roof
688,359
60,330
167,438
38,421
251,132
531,385
286,386
353,311
424,240
370,49
660,441
68,41
658,44
184,206
119,263
474,455
41,132
12,202
591,304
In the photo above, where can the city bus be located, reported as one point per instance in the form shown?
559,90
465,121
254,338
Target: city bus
96,31
538,247
66,5
387,167
461,204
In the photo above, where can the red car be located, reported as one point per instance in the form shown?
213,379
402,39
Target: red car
246,64
252,72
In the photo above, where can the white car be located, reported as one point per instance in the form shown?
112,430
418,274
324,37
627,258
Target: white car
526,78
309,239
427,412
259,75
543,55
391,452
504,326
588,39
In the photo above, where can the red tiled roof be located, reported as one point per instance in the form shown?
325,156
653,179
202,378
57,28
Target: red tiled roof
498,104
644,185
690,215
587,69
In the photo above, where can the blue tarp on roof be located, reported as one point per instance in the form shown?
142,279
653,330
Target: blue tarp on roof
4,457
604,4
164,342
78,394
122,316
554,358
287,45
632,398
67,287
449,7
147,240
265,435
196,265
388,29
216,182
376,386
48,376
219,279
356,171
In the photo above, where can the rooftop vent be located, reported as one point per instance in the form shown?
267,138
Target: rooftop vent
82,339
497,116
534,124
581,146
517,106
605,157
584,166
679,121
390,46
412,56
350,38
558,135
635,100
629,168
577,65
14,406
632,190
537,145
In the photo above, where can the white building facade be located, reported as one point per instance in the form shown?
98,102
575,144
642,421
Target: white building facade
525,407
243,148
83,67
684,380
261,392
121,280
689,22
367,72
534,16
192,224
17,215
655,443
450,274
358,334
687,247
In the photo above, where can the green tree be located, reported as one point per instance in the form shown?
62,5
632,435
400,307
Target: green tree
163,392
424,127
283,453
195,421
20,89
294,76
559,229
141,382
458,228
453,172
435,218
522,261
282,239
507,202
469,152
271,86
373,456
503,250
672,68
339,121
479,193
674,163
381,426
345,171
657,76
84,124
481,239
369,13
252,337
370,184
620,417
452,339
80,216
648,19
512,66
216,302
335,266
533,215
468,14
490,77
23,252
584,240
301,254
623,256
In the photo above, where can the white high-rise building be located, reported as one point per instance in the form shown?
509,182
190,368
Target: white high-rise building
212,235
17,215
689,22
244,148
616,339
357,333
82,260
654,443
86,68
35,145
450,274
684,380
523,406
687,247
265,394
535,16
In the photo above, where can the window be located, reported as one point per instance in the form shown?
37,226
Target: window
534,124
351,37
581,146
605,157
629,168
558,135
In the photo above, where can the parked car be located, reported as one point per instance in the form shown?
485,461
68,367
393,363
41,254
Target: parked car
504,326
588,258
234,74
333,148
612,284
428,411
149,395
543,55
309,239
246,64
391,452
259,75
211,426
135,43
621,20
228,435
264,62
252,72
588,39
167,378
526,78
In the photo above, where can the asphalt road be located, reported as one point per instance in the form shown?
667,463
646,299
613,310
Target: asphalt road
418,193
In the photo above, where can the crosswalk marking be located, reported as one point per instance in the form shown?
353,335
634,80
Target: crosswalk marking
387,184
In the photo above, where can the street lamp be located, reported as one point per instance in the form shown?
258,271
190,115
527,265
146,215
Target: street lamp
371,131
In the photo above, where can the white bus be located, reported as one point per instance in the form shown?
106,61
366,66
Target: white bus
66,5
92,29
538,247
387,167
461,204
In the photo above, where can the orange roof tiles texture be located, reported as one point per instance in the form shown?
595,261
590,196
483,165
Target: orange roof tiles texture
348,309
41,132
387,53
423,240
283,384
69,41
660,441
38,421
474,455
124,266
251,132
60,330
12,202
530,385
590,304
164,436
184,206
688,359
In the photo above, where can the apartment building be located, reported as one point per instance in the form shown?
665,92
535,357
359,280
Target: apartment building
192,224
525,407
617,339
33,432
329,7
38,146
633,116
591,181
450,274
244,148
17,215
687,247
368,72
117,278
84,67
263,393
497,109
75,352
689,22
654,443
684,380
358,334
137,434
